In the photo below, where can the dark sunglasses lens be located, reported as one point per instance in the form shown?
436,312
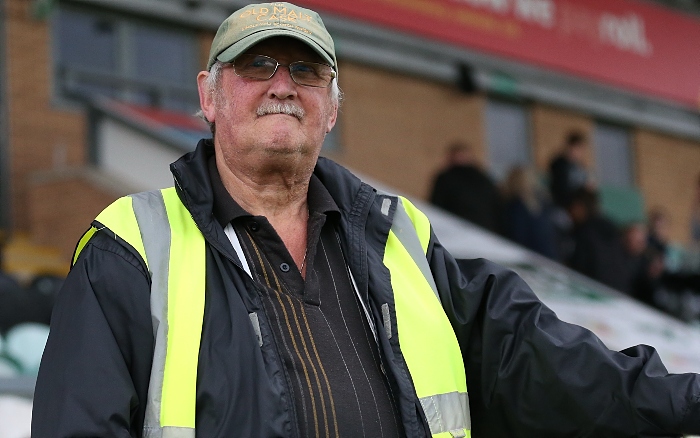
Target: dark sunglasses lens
254,66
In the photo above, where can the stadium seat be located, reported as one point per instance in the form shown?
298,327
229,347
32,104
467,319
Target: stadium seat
25,344
9,294
15,417
33,304
46,284
623,205
7,368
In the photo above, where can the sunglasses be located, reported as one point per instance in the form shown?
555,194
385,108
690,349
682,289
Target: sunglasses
261,67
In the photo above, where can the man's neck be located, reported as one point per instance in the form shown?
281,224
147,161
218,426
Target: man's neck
267,194
280,196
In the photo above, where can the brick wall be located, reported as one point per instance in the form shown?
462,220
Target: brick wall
204,40
666,167
62,204
42,136
395,128
667,173
550,126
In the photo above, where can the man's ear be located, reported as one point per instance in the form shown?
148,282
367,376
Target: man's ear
206,96
333,117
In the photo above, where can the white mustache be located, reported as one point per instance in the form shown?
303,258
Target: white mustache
287,108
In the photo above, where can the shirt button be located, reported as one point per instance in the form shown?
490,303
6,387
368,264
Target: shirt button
254,226
284,267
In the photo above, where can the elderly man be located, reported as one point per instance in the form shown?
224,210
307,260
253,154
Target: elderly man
271,293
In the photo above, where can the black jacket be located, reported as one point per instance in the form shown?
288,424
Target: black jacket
468,192
598,252
528,373
566,177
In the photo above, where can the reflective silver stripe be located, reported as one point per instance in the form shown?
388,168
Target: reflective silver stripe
178,432
256,327
386,205
368,315
152,432
447,412
386,316
405,231
169,432
152,219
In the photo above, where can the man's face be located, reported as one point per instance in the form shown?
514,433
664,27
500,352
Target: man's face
636,239
250,130
577,152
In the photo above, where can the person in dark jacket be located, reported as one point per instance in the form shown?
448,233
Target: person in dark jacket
527,215
464,189
644,263
598,251
659,223
567,171
271,293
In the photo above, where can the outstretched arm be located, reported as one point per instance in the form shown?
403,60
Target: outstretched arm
530,374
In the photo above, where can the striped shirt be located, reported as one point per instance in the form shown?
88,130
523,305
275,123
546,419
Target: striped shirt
318,324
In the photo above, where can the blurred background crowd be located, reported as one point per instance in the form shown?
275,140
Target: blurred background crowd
559,214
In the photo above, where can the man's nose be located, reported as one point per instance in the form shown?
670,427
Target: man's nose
282,86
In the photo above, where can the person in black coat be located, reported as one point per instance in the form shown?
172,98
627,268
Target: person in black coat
597,247
527,213
567,172
464,189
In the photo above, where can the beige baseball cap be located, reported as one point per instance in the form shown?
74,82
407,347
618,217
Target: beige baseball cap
257,22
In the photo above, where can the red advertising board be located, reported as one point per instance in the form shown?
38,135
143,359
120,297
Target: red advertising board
634,45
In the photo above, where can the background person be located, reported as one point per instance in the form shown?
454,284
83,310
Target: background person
695,217
567,170
527,214
464,189
659,230
597,248
644,264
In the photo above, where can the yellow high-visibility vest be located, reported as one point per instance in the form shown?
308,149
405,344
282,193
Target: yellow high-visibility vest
428,342
162,231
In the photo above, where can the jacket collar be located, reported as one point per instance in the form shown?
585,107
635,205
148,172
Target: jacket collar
193,185
191,174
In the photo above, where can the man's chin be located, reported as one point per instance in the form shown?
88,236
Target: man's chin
284,160
290,150
284,139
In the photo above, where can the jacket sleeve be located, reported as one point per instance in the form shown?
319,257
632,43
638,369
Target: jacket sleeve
530,374
94,373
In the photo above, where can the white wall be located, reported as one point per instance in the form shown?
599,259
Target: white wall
136,158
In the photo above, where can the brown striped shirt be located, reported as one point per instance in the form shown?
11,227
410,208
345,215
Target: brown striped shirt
318,325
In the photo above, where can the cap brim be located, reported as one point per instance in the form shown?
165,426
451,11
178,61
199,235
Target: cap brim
236,49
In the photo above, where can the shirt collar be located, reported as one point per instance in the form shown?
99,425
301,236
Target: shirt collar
226,209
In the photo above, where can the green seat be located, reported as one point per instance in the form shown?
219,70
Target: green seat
7,368
24,343
623,205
